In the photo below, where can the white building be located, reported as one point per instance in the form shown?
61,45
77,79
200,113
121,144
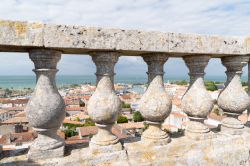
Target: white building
5,115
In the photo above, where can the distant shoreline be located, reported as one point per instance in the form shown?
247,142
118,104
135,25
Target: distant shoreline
21,82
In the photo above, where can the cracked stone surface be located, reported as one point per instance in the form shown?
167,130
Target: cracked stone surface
74,39
46,108
155,104
104,105
221,150
197,102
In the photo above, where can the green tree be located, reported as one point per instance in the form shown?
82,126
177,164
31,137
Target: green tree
210,85
218,82
74,86
78,119
70,133
125,105
146,125
244,83
72,126
137,116
7,92
182,82
122,119
89,122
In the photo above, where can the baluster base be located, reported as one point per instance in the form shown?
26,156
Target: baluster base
231,124
154,135
197,130
47,145
104,136
104,141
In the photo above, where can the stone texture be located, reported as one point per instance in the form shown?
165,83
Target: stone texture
248,83
155,104
46,108
80,37
221,150
196,102
233,99
18,36
206,44
104,105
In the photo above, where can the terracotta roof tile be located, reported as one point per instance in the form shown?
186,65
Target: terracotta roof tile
132,125
15,120
74,108
72,122
92,130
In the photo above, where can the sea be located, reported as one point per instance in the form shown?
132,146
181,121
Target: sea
20,82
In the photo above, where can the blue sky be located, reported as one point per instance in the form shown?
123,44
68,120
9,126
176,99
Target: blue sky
225,17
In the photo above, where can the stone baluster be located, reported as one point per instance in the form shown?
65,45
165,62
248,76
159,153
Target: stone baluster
104,105
46,109
248,109
155,104
197,102
233,99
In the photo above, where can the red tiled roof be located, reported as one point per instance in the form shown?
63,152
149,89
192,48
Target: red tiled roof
61,134
20,114
168,126
81,115
85,97
18,137
76,141
243,118
176,101
126,97
216,117
132,125
4,139
15,108
20,101
74,108
4,100
89,130
92,130
3,111
24,136
176,114
72,122
118,87
15,120
15,101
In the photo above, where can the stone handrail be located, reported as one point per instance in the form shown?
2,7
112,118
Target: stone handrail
16,36
46,109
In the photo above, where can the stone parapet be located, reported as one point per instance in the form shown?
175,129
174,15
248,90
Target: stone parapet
200,146
16,36
221,149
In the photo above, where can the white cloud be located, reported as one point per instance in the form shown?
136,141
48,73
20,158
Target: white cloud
226,17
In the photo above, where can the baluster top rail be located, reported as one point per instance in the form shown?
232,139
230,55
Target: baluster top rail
17,36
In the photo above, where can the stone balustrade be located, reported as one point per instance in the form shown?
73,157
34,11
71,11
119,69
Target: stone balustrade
198,146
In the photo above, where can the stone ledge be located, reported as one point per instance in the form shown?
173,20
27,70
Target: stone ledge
220,150
16,36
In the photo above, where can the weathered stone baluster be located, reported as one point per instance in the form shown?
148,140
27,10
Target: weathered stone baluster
155,104
233,99
197,102
46,109
248,109
104,105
